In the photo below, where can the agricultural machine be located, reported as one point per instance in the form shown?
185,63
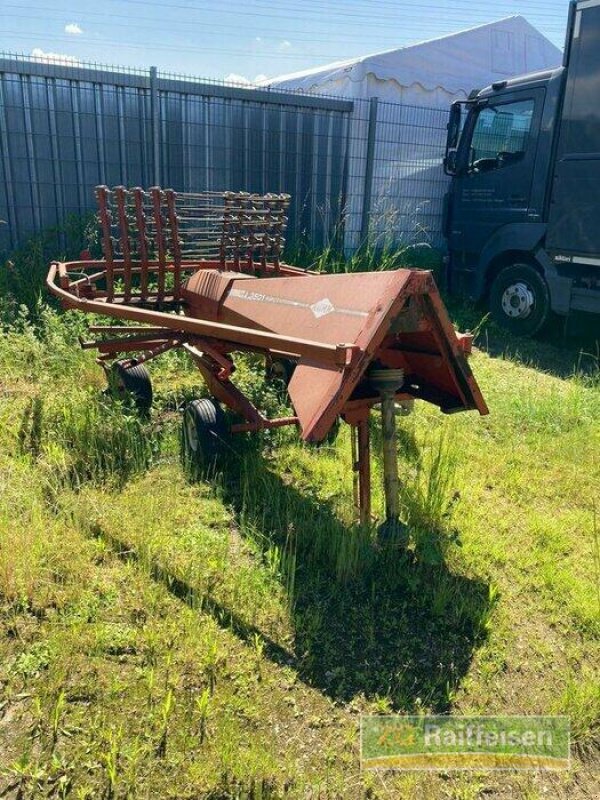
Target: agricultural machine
204,272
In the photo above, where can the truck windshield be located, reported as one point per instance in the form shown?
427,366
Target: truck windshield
500,135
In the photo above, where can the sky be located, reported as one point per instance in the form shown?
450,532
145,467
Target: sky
250,40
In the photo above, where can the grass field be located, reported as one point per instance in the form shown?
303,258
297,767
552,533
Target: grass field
163,637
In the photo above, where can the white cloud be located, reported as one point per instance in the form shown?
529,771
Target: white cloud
285,45
56,58
73,28
258,39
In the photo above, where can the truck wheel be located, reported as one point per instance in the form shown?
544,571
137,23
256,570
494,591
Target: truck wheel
204,431
520,300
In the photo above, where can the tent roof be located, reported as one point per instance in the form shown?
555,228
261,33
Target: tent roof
457,62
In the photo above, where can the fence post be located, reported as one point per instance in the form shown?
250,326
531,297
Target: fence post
155,120
369,159
8,171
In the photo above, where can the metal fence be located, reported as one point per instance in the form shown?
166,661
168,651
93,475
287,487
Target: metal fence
408,183
353,168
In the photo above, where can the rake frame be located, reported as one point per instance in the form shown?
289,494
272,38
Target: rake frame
183,298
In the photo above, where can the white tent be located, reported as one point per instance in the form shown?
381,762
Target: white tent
415,87
435,72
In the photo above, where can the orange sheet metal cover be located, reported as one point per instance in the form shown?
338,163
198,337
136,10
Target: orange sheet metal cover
356,309
331,309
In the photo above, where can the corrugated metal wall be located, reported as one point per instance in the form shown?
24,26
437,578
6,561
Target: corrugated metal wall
355,169
65,129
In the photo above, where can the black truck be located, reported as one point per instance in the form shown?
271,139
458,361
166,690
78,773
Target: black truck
522,216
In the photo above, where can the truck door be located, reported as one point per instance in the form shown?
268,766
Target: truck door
574,214
495,169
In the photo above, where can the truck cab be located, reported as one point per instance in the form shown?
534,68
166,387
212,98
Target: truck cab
522,216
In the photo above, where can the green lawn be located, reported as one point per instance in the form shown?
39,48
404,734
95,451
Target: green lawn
162,637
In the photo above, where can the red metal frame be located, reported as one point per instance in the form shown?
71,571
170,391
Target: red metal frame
334,327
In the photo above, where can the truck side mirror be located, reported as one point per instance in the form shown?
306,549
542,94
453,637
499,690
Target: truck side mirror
452,139
454,126
450,162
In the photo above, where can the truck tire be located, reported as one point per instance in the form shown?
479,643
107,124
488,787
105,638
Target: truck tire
520,300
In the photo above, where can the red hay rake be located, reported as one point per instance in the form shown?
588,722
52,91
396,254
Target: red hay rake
203,272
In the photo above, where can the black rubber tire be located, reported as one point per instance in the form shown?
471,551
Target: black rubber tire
280,369
128,379
535,284
204,431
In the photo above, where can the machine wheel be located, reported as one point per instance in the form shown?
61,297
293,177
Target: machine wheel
520,300
280,369
204,431
129,379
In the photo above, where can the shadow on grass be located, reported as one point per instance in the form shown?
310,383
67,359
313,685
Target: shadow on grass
563,348
182,590
370,618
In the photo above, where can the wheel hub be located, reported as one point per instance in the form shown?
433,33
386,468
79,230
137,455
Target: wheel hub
518,301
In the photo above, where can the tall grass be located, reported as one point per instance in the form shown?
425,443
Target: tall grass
43,348
322,535
372,256
428,495
91,438
273,513
40,557
23,272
